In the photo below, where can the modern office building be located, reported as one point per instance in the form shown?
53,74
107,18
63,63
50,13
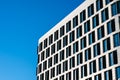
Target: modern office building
85,45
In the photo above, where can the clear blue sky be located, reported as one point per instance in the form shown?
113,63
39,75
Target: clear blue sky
22,23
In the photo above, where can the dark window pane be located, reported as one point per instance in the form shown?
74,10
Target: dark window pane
75,21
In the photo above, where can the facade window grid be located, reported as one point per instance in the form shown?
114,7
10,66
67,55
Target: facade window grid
91,37
72,48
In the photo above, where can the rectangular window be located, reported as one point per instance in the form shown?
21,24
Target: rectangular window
111,26
52,49
87,26
42,56
75,47
65,66
49,62
72,62
61,55
65,41
42,76
40,68
79,58
68,76
108,75
68,51
96,49
98,77
107,1
102,63
99,4
56,35
40,46
76,74
95,21
83,42
45,43
105,15
115,8
52,72
84,71
79,31
100,32
61,77
62,31
118,73
58,45
72,36
50,39
75,21
44,65
89,78
55,58
82,16
47,52
59,69
113,58
68,26
91,10
92,67
116,39
91,38
47,75
106,45
87,54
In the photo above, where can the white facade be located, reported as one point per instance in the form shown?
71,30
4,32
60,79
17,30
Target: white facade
85,45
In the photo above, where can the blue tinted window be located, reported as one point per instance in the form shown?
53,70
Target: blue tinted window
106,45
108,1
62,31
111,26
92,67
75,21
82,16
72,36
83,42
118,73
113,58
116,39
108,75
95,21
91,38
87,26
75,47
68,26
88,54
90,10
79,58
115,8
104,14
79,31
96,49
83,71
102,63
98,77
65,41
100,32
99,4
